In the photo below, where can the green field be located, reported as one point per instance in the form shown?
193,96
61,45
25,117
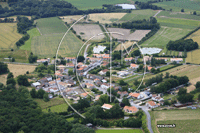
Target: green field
178,23
33,32
177,5
51,25
57,108
177,15
166,67
164,35
185,120
120,131
46,45
138,15
8,35
91,4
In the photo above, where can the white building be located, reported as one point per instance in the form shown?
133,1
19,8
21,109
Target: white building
151,104
126,6
106,106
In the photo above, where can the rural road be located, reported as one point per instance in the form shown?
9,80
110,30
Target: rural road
157,13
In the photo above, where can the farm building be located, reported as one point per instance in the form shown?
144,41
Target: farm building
130,109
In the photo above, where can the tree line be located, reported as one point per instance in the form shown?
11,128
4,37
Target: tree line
147,5
182,45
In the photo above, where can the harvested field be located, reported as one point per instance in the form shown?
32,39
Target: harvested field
136,36
3,78
20,69
8,35
106,17
126,45
86,31
70,19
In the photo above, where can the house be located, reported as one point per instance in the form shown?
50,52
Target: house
84,95
106,106
93,59
157,98
70,83
51,83
147,58
134,66
96,80
43,60
128,59
36,84
54,90
130,109
151,104
122,73
136,95
70,65
148,68
49,78
62,85
103,72
123,93
105,86
99,83
61,67
117,88
89,86
176,60
97,97
104,80
104,63
70,59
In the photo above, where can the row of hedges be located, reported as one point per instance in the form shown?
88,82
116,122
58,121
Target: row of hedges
144,124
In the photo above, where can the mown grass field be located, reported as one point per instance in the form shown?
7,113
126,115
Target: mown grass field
120,131
33,32
187,5
185,120
91,4
46,45
164,35
106,17
51,25
178,23
8,35
177,15
194,56
138,15
57,108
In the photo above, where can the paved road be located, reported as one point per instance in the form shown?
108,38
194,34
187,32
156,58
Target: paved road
145,109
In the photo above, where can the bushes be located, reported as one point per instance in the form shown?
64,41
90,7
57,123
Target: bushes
22,40
144,124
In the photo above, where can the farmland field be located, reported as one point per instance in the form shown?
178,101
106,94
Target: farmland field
120,131
33,32
70,19
164,35
52,30
86,31
51,26
106,17
8,35
177,15
185,120
138,15
194,56
91,4
57,108
51,103
178,23
126,45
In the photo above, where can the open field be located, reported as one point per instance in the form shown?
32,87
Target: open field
187,5
164,35
178,23
33,32
138,15
126,45
51,25
91,4
20,69
46,46
8,35
127,35
120,131
185,120
3,78
177,15
52,102
86,31
57,108
70,19
106,17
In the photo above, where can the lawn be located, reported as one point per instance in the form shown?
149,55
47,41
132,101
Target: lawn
52,102
91,4
177,15
138,15
8,35
33,32
178,23
51,25
194,56
46,45
185,120
164,35
57,108
120,131
166,67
